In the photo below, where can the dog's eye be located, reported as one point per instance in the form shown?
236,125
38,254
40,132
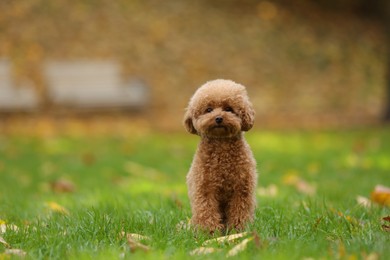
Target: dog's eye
228,109
209,109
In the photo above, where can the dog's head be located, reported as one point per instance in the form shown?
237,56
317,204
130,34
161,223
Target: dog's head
219,109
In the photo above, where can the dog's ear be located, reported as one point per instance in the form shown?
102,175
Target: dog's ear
247,117
188,123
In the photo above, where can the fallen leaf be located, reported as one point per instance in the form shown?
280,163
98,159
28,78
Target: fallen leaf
381,195
57,208
371,256
257,240
140,170
18,252
88,159
292,179
270,191
224,239
305,188
135,245
62,186
384,226
348,218
177,201
134,236
239,248
203,251
2,241
184,225
3,228
363,201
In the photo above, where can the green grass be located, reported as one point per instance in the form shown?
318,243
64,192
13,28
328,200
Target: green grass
137,185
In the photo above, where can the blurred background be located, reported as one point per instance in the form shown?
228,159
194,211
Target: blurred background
305,63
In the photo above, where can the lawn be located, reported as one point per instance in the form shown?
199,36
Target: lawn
78,196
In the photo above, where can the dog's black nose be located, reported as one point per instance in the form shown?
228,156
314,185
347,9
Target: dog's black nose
218,119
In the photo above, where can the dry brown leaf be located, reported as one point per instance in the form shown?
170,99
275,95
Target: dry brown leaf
18,252
257,240
239,248
135,245
62,186
88,159
203,251
224,239
381,195
384,226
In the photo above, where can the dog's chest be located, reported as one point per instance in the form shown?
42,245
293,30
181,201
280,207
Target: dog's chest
225,168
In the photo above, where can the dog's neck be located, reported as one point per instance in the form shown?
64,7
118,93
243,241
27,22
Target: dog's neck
222,140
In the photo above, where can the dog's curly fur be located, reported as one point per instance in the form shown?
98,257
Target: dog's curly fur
222,178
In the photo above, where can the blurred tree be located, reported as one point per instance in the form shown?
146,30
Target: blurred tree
378,10
387,26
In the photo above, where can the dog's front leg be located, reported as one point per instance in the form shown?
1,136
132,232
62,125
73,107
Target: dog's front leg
205,213
240,210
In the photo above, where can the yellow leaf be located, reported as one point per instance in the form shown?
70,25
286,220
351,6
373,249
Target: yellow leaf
57,208
239,248
381,195
203,251
224,239
290,178
350,219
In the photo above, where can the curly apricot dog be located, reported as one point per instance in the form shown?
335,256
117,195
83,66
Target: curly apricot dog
222,178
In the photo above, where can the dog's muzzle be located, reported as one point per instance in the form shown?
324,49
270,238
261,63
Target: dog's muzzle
219,119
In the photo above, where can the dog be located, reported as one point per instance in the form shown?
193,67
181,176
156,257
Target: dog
222,178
